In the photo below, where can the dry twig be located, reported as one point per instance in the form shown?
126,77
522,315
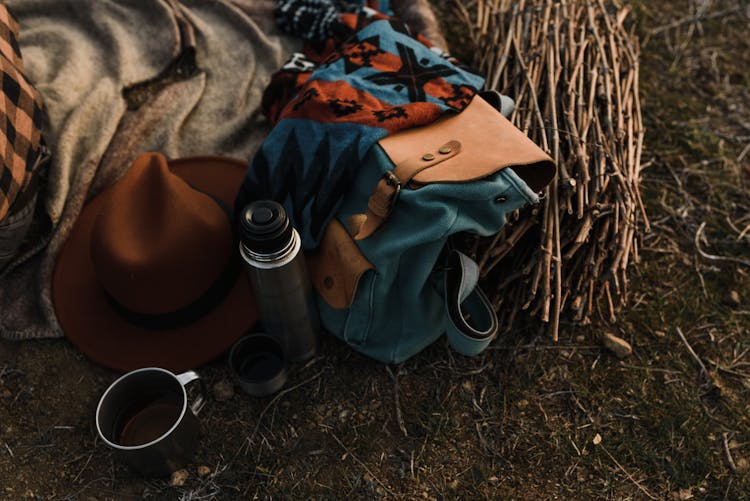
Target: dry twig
364,466
730,459
397,401
276,399
697,18
637,483
704,371
713,257
572,69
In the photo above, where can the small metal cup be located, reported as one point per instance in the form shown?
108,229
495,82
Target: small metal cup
145,417
258,362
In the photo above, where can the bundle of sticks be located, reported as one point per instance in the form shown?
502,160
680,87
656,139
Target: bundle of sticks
572,69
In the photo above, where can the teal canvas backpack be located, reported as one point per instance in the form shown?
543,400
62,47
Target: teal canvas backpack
387,282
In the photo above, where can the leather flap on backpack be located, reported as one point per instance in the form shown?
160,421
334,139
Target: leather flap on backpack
336,266
488,143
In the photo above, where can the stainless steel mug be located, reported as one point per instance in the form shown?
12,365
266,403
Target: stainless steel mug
271,250
145,417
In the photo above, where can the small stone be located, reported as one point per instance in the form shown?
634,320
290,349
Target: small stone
344,414
597,439
29,494
493,479
203,471
580,339
660,334
743,464
616,345
733,299
682,495
179,478
223,391
453,485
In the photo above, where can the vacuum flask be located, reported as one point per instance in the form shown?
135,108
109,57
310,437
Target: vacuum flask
275,265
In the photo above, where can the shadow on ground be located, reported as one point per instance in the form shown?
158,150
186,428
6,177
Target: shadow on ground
528,419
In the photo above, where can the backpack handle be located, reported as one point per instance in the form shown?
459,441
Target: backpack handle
470,321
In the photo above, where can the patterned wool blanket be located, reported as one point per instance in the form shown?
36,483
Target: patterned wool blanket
119,77
364,76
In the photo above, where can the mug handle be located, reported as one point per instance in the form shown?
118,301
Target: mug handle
188,377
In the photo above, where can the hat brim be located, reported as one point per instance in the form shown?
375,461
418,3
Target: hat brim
90,323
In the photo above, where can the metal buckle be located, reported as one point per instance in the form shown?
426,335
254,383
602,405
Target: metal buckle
392,180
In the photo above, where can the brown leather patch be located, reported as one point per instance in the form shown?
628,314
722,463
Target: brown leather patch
337,265
355,223
489,143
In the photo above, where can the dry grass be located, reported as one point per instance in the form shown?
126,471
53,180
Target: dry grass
528,419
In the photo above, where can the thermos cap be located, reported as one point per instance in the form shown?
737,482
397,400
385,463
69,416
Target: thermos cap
265,227
258,362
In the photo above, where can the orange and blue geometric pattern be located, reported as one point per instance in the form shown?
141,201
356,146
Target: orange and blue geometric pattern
331,105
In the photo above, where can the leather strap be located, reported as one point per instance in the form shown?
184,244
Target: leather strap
470,321
488,143
386,193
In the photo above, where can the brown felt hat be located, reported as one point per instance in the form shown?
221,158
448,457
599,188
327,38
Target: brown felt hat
150,274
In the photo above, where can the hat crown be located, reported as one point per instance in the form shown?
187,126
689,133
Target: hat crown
158,244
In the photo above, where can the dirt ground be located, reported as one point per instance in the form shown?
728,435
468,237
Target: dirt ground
529,419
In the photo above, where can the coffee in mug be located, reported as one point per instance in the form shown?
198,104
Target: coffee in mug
146,418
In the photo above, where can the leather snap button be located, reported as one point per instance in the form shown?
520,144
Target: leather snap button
501,199
428,156
445,149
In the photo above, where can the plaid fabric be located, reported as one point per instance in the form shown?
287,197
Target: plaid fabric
21,111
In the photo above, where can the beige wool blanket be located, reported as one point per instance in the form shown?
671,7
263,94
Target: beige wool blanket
120,77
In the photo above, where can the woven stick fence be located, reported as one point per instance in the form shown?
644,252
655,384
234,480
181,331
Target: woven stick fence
572,69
